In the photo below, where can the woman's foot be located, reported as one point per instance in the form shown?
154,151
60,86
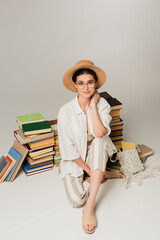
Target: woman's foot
113,173
89,219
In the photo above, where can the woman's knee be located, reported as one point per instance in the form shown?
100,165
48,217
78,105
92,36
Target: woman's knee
75,191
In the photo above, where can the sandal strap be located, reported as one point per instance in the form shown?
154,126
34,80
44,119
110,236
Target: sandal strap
89,219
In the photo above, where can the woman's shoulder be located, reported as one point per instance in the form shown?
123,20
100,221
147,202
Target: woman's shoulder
66,107
102,103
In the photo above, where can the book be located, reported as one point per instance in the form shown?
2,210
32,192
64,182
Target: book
116,122
28,170
115,165
113,102
36,128
144,152
42,143
38,171
105,95
117,127
19,135
18,152
16,156
39,162
128,145
4,164
41,153
11,162
117,138
30,118
54,126
116,133
117,143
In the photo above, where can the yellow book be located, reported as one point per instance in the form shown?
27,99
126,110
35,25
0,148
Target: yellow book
128,145
42,143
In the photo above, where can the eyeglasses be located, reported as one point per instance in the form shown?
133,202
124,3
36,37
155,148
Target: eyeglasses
90,84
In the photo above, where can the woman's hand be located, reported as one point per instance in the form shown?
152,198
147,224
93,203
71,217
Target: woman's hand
95,98
88,172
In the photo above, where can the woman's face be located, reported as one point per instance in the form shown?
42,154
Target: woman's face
86,85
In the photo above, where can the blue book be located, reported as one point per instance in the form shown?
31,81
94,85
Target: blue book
27,168
17,156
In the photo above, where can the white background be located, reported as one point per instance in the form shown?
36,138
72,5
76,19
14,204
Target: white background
39,41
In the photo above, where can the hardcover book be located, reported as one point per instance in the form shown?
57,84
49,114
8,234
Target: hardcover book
118,127
28,170
23,152
144,152
42,144
105,95
16,156
116,122
54,126
116,133
38,171
39,162
4,164
19,135
51,153
117,138
29,118
113,102
9,167
36,128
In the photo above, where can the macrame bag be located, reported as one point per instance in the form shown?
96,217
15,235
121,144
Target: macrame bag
133,169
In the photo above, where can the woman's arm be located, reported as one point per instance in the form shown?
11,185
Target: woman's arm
82,165
99,129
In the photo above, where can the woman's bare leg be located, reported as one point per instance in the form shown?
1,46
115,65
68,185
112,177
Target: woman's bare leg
95,181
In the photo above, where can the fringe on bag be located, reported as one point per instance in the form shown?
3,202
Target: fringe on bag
134,170
137,178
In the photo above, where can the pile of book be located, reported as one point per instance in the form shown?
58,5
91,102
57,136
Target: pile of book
10,165
116,123
57,156
37,136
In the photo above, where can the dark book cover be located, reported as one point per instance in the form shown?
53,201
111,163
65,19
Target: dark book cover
114,102
36,126
116,133
105,95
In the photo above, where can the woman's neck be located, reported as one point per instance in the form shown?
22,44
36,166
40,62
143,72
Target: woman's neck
84,102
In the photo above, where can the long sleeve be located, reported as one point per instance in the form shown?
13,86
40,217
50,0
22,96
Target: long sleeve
67,147
105,116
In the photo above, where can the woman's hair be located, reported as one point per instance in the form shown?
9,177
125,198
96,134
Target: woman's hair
84,71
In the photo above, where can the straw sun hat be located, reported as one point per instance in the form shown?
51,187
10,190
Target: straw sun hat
67,77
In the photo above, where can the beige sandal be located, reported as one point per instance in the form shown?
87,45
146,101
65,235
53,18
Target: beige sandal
89,219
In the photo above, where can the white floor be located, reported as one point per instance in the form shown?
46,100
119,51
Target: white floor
36,207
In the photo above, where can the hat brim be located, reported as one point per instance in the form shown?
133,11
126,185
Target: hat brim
67,77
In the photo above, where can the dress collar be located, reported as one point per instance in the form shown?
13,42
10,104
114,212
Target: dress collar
77,108
76,105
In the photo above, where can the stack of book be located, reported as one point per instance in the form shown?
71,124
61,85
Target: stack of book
57,156
116,123
37,136
10,165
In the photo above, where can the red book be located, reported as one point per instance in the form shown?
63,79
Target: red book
10,163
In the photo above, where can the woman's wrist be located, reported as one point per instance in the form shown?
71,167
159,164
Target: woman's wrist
94,105
88,171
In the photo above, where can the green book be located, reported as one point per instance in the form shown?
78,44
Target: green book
115,165
36,128
28,118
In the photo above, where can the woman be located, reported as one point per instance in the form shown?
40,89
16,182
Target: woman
83,129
